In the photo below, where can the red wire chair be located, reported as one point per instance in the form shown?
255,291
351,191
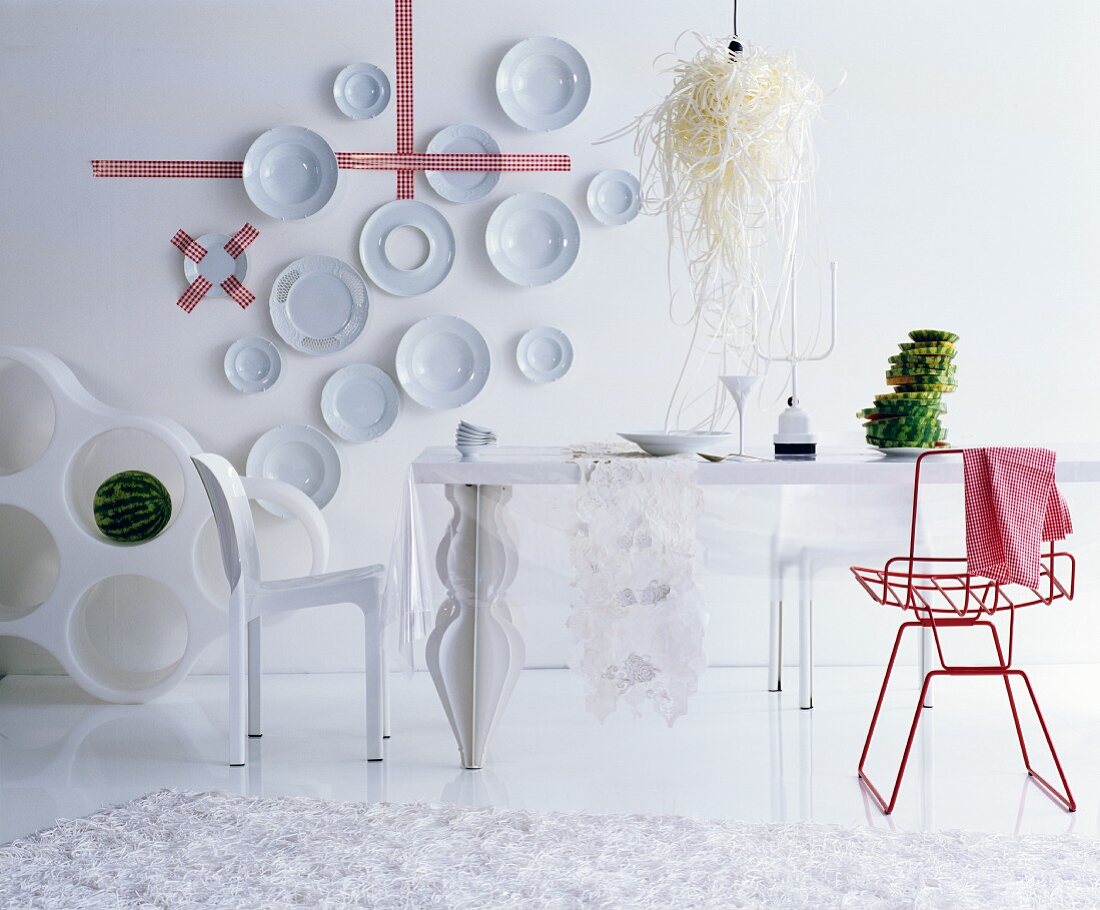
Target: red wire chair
941,594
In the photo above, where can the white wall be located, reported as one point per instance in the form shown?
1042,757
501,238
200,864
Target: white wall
958,187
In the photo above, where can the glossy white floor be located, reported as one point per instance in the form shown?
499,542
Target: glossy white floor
741,753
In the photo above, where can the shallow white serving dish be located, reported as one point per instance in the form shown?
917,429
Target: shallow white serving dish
614,197
360,402
319,304
902,451
378,257
463,186
543,83
657,442
290,172
301,456
442,362
532,239
252,364
216,265
544,354
361,91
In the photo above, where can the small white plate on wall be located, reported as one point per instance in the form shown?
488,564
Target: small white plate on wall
532,239
544,354
319,305
301,456
614,197
463,186
380,259
442,362
360,402
657,442
361,91
290,172
543,83
216,265
252,364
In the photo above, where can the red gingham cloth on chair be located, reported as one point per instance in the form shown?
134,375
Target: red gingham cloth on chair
1012,506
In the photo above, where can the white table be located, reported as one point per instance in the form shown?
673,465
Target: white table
474,652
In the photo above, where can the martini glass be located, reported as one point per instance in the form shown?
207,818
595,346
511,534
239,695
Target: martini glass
739,387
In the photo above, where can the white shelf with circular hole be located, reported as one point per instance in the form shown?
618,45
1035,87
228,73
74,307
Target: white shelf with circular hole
126,621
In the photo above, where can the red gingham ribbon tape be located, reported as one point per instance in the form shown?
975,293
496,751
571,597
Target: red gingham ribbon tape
403,40
237,292
200,169
194,293
239,241
384,161
187,245
356,161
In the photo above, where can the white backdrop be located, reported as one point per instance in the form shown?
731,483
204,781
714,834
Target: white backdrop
957,186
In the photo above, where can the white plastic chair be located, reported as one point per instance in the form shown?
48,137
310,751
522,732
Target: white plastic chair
250,599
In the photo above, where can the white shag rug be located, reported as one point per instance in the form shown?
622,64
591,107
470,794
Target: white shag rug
212,850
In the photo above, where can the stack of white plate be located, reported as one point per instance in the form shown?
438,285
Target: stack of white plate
470,439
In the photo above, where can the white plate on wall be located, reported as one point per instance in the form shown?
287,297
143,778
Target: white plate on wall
532,239
290,172
319,304
463,186
614,197
216,265
544,354
360,402
657,442
301,456
361,91
442,362
543,83
252,364
379,258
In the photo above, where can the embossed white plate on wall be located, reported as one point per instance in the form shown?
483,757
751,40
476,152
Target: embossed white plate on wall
299,455
442,362
543,83
319,305
360,402
361,91
380,247
544,354
614,197
463,186
290,172
532,239
252,364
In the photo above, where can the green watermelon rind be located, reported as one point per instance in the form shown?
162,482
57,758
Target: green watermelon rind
915,348
131,507
934,335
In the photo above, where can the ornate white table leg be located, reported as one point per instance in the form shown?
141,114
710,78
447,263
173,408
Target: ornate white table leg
474,653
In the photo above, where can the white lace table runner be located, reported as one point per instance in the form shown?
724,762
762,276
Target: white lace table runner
637,614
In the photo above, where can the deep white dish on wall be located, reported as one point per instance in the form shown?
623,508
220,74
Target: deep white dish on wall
361,91
614,197
299,455
543,83
319,304
463,186
660,443
377,256
544,354
252,364
532,239
442,362
290,172
360,402
217,265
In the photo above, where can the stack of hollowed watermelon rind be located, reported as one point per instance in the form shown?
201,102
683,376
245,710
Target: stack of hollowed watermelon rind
920,375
